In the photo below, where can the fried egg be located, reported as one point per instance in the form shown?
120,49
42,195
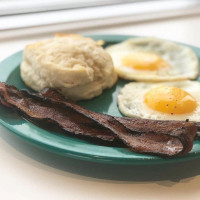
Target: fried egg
152,59
161,101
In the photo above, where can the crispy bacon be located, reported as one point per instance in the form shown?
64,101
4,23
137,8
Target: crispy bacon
164,138
38,109
146,136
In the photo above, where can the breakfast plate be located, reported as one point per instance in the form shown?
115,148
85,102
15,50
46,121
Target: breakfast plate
74,147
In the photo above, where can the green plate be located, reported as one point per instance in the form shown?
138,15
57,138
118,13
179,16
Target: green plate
74,147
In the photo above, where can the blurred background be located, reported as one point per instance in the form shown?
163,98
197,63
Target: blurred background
26,17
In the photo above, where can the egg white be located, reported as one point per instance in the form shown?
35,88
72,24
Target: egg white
183,62
131,100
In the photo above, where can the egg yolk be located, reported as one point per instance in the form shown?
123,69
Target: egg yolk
144,61
170,100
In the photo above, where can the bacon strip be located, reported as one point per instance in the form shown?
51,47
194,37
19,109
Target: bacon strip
147,136
164,138
38,109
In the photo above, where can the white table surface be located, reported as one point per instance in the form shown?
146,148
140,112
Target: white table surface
27,172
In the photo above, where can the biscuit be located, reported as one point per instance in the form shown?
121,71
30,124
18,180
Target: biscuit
74,65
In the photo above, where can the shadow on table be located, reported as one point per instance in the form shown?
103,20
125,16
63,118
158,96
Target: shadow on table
171,172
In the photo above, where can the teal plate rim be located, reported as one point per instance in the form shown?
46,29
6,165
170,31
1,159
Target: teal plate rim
66,145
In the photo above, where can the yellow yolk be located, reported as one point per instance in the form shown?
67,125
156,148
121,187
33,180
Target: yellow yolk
144,61
170,100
